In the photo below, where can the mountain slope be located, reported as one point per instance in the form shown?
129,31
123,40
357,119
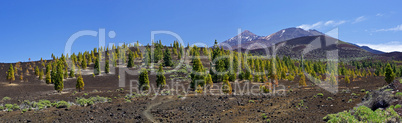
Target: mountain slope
251,41
370,50
315,47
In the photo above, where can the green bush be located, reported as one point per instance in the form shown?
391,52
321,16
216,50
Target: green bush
92,100
16,107
320,94
353,94
8,106
330,98
6,98
264,116
397,106
1,108
398,94
251,101
362,90
62,104
364,114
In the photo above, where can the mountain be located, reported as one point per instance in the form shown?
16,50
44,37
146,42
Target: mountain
315,47
252,41
370,50
245,36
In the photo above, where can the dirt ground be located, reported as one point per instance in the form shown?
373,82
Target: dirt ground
295,104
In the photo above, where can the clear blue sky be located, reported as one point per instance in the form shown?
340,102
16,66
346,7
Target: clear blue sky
35,29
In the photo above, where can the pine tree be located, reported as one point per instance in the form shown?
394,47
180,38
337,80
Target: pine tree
72,74
130,63
41,74
220,68
80,83
197,74
160,78
48,78
232,76
65,73
107,69
347,80
302,81
37,71
332,80
143,80
226,86
97,67
208,80
84,64
58,83
167,58
10,74
248,75
389,74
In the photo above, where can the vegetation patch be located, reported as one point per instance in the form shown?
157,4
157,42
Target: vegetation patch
92,100
364,114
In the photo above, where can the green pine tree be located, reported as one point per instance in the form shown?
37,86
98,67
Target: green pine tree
167,58
37,71
10,74
80,83
302,80
143,80
130,63
389,74
208,80
226,86
72,73
160,77
107,69
84,64
97,67
58,83
347,80
41,74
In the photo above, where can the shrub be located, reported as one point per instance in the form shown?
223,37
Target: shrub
353,94
398,94
8,106
320,94
330,98
92,100
364,114
397,106
6,98
265,88
264,116
251,101
16,107
362,90
1,108
62,104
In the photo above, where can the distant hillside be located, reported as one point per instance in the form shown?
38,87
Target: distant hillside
370,50
315,47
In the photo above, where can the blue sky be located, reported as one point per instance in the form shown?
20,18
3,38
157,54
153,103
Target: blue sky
35,29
